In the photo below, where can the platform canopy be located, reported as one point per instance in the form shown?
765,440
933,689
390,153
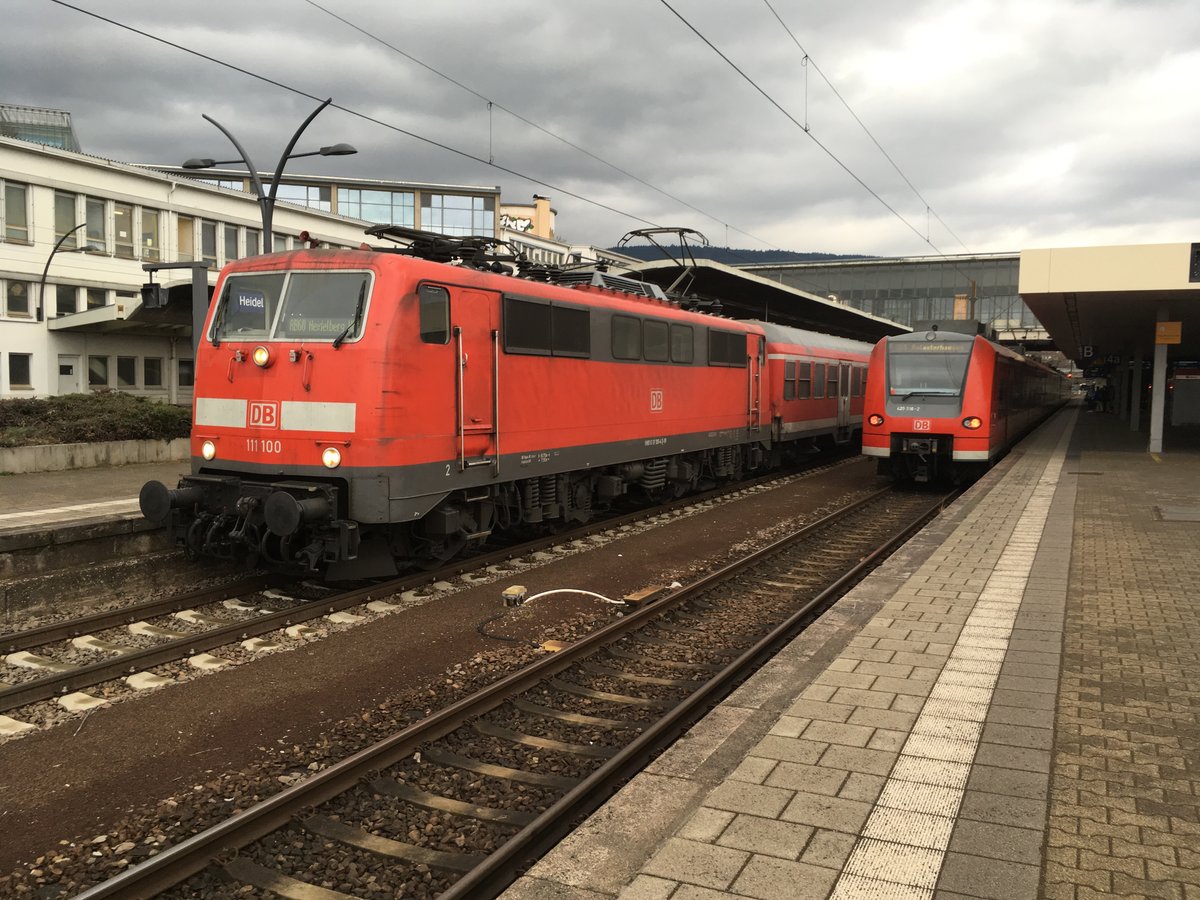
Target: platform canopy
1103,304
743,295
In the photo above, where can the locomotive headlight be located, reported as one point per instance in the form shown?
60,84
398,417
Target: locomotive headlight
331,457
208,450
972,422
261,357
875,419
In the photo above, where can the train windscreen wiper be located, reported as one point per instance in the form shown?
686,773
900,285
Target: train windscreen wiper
358,311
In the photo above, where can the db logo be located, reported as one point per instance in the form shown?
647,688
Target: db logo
922,425
263,414
656,401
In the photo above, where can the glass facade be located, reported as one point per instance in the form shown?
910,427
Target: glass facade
457,214
908,291
382,207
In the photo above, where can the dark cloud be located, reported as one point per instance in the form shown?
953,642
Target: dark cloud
1019,124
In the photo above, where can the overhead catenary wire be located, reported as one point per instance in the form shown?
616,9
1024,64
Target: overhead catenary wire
809,63
493,104
361,115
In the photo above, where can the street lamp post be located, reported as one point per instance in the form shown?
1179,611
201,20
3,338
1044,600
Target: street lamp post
41,310
266,199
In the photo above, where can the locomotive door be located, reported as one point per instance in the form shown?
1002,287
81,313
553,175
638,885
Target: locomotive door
843,401
754,366
474,318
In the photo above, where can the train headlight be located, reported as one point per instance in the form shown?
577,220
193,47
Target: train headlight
331,457
875,419
261,357
971,423
208,450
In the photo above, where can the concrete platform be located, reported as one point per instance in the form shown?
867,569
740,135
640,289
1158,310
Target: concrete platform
1009,708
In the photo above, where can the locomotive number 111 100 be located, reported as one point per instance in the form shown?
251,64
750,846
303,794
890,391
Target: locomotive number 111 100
262,445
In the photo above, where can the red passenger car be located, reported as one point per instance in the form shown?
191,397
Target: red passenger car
946,405
360,411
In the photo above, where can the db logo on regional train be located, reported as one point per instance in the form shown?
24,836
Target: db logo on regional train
656,401
921,425
263,414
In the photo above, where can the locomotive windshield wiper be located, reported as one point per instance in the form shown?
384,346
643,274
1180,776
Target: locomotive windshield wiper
358,311
220,320
928,392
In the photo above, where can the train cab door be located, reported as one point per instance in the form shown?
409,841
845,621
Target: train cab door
844,425
474,317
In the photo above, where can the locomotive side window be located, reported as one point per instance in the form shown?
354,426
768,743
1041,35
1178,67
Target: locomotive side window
803,380
434,305
545,329
571,331
726,348
683,343
818,380
655,341
789,381
626,337
527,327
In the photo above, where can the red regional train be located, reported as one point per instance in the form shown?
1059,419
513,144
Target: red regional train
357,412
945,405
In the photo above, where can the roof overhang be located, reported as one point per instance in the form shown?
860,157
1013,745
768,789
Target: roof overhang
744,295
1101,303
129,317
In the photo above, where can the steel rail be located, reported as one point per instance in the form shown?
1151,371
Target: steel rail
59,683
180,861
58,631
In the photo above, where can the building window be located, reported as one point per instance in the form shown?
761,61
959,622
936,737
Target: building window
96,298
457,214
64,218
312,196
17,293
152,371
126,371
187,372
97,223
123,231
97,371
231,243
186,228
383,207
151,246
19,371
65,299
253,242
15,211
208,242
279,242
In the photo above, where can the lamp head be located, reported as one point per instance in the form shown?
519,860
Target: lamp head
199,163
335,150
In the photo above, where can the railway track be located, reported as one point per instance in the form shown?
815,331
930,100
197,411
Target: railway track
456,804
144,646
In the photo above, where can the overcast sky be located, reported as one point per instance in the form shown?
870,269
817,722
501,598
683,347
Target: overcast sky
1020,124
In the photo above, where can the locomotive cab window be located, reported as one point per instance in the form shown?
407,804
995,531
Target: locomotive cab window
434,306
292,306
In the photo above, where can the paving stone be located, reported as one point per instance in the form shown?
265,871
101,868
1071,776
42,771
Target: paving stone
696,863
786,840
820,811
771,879
761,799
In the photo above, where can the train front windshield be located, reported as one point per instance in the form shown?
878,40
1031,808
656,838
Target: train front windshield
933,369
292,306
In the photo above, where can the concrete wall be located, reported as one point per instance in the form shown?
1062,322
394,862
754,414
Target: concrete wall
59,457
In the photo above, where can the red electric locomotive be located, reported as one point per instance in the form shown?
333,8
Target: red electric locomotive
359,411
942,404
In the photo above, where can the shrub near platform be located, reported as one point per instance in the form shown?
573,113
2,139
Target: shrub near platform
90,418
